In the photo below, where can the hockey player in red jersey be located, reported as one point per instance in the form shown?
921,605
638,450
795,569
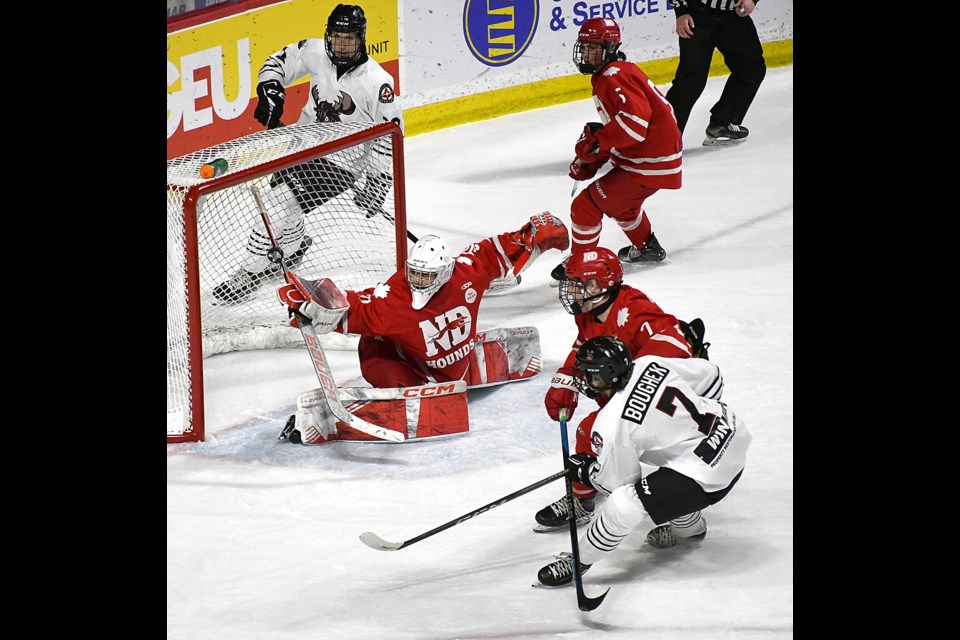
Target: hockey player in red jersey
638,134
664,413
420,326
593,291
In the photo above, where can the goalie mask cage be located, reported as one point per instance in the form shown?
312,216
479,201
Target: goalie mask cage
212,227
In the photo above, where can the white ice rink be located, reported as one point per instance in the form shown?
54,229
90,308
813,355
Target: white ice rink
262,536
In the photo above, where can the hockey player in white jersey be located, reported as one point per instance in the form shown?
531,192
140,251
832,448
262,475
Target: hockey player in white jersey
346,85
663,412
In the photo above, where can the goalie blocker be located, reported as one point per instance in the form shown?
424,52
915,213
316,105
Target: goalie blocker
429,411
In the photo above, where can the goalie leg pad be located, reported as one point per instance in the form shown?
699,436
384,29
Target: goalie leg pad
504,355
313,421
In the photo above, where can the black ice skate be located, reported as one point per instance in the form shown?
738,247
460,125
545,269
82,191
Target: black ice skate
651,252
556,516
725,135
560,572
557,275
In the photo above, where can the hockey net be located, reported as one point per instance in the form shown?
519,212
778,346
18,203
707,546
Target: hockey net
335,189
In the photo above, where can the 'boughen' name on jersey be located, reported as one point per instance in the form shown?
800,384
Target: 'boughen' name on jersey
643,392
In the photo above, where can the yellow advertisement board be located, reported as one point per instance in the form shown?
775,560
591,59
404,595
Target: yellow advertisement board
212,67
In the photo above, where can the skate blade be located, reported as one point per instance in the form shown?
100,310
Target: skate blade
711,142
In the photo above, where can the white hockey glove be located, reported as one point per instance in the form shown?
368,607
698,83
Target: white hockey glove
320,301
545,231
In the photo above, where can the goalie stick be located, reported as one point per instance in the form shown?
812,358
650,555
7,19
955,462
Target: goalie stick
317,356
374,541
379,210
584,602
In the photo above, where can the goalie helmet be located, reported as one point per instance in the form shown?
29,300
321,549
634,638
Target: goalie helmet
344,19
603,363
428,267
596,35
589,276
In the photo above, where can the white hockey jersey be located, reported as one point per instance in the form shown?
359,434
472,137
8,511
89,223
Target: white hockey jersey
669,415
369,86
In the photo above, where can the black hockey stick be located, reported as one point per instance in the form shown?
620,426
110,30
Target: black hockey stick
374,541
379,210
585,602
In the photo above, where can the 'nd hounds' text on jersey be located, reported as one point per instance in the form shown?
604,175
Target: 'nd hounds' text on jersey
643,392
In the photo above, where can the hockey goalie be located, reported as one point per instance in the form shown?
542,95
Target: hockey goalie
419,345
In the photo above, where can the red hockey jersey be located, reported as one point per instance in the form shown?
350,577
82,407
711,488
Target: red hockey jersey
439,337
640,131
638,322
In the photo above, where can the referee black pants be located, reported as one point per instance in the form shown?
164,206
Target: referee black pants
737,41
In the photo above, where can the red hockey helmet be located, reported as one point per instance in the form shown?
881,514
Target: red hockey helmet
596,31
589,276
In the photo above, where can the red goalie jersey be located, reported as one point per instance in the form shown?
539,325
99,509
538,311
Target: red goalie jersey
406,341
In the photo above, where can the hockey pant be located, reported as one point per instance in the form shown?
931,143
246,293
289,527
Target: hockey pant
662,496
617,194
383,365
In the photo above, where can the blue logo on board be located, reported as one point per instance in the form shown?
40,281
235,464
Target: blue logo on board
499,31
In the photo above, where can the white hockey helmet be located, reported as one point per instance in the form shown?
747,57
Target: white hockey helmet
429,267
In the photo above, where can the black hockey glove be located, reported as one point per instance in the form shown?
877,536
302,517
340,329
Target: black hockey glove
371,197
579,465
270,106
693,332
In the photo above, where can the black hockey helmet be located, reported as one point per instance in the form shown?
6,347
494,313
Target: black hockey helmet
603,363
346,18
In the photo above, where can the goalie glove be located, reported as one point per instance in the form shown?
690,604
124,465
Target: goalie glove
588,147
545,231
561,394
270,105
319,301
579,466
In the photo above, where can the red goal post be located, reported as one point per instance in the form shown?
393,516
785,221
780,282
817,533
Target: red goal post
210,223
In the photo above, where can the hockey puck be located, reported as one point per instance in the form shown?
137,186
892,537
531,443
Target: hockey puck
275,255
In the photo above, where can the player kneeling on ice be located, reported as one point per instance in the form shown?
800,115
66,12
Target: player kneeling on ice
662,412
420,326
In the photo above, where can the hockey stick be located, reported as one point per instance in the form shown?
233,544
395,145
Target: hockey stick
379,210
374,541
585,602
319,359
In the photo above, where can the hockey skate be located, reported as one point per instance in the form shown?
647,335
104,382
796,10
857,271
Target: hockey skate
556,516
651,252
557,275
560,572
725,135
244,284
665,537
290,432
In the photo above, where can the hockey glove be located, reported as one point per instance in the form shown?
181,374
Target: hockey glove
372,196
545,231
562,393
579,465
693,332
587,147
270,106
319,301
584,171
